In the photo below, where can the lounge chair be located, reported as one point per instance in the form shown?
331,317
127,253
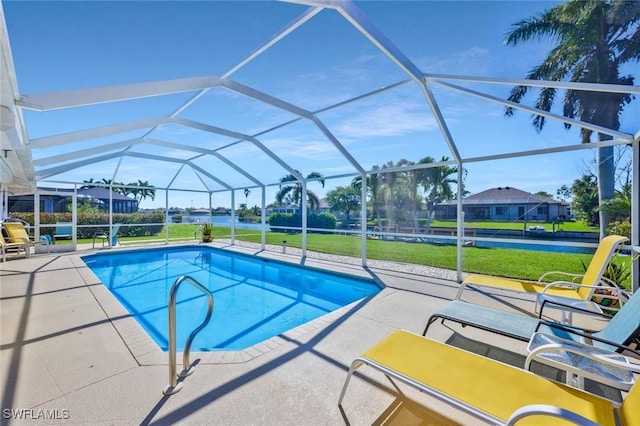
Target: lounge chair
6,247
578,294
105,237
18,234
487,389
615,336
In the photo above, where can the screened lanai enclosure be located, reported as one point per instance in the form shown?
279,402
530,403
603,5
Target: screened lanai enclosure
309,107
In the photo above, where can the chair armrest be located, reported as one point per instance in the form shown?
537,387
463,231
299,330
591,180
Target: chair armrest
548,411
616,293
25,241
611,285
570,307
567,274
575,331
561,284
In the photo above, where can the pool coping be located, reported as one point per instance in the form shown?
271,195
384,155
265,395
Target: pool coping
146,351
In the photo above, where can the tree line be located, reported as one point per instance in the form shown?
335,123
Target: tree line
395,196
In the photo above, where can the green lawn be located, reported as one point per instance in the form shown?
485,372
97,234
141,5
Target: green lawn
523,264
564,226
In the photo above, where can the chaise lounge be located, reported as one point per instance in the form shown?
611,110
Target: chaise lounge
578,294
19,235
487,389
618,333
6,247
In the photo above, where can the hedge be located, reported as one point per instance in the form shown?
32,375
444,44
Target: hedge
99,219
314,220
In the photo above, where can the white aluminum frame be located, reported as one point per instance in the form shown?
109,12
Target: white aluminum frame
49,167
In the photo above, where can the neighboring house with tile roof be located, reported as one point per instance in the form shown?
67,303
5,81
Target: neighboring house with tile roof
505,204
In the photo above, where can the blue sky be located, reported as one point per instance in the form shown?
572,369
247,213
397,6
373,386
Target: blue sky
72,45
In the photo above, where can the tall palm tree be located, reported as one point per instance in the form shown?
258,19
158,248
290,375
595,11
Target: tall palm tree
388,185
140,190
437,184
247,191
146,190
373,183
291,188
411,181
593,39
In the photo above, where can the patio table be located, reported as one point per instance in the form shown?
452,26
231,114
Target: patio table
581,361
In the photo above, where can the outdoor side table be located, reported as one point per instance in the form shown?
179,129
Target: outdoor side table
597,365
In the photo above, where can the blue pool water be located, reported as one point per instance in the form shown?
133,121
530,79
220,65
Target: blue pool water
255,298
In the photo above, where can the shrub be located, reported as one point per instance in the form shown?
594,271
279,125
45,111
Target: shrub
620,227
100,220
289,221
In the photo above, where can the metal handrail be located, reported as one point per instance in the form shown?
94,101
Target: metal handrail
173,386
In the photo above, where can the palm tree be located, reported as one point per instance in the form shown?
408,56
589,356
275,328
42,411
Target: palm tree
146,190
88,183
593,39
247,191
132,190
291,188
140,190
373,183
585,197
387,185
436,182
411,178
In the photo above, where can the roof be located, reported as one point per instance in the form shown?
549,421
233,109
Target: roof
103,194
504,195
230,127
97,192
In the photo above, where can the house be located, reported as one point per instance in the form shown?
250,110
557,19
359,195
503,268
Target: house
287,208
504,204
58,200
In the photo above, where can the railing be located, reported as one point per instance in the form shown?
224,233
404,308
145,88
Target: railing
197,234
187,369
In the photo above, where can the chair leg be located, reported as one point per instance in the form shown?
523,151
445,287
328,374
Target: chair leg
460,290
430,321
354,366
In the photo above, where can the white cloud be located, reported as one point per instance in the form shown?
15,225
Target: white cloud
472,61
394,119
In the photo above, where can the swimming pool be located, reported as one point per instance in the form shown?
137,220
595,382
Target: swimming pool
255,298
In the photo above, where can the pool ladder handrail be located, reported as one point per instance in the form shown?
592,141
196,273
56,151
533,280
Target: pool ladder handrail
174,386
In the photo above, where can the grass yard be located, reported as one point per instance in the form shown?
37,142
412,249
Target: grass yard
514,263
564,226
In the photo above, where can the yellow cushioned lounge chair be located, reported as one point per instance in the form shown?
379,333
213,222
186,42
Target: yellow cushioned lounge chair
568,292
6,247
18,234
487,389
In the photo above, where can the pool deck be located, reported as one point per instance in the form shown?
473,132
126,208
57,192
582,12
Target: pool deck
70,351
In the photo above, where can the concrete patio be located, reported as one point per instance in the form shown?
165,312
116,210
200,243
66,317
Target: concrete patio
70,351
